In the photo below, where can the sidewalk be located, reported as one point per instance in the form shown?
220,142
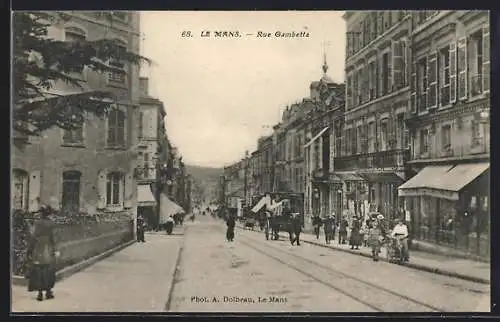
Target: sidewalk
459,268
137,279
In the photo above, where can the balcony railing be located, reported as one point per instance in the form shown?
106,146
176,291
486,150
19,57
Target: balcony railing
382,159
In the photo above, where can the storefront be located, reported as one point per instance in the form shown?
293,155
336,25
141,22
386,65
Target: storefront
382,193
449,206
146,205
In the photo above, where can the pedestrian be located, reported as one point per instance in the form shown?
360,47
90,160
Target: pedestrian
141,225
42,255
375,239
231,222
355,238
364,234
296,228
343,230
316,222
329,227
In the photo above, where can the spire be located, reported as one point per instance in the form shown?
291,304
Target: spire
325,65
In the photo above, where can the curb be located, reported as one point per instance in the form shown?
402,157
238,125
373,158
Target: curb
175,271
409,265
75,268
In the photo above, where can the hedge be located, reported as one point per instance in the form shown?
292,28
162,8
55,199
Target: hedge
68,227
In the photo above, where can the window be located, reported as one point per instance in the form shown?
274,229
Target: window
401,131
114,189
475,51
383,135
116,128
359,139
422,84
71,191
372,80
366,83
119,75
385,73
446,137
354,141
349,91
141,125
19,190
75,35
476,133
73,136
355,90
424,141
338,138
444,76
371,137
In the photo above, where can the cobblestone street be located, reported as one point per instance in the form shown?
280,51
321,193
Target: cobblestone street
218,276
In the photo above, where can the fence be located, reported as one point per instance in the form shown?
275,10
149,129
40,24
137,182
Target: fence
77,238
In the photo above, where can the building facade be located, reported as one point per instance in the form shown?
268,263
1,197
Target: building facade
448,198
152,156
375,145
90,169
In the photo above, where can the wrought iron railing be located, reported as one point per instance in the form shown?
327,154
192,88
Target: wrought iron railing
382,159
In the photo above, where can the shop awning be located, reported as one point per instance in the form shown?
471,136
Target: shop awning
391,177
168,208
349,176
461,175
145,196
442,181
425,177
315,137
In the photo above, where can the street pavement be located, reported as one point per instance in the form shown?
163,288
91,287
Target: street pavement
249,275
135,279
452,266
255,275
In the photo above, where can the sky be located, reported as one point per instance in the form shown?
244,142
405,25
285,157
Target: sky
222,94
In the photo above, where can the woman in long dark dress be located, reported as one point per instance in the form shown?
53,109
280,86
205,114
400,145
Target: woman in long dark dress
355,238
42,256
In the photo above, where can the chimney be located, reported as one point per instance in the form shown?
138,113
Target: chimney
143,86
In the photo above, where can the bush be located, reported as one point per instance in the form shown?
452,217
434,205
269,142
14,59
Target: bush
68,227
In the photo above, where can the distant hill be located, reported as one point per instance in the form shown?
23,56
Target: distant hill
206,180
204,173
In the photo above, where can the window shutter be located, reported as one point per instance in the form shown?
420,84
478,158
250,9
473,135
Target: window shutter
397,63
406,138
413,86
389,71
34,190
462,68
486,59
417,149
128,191
453,72
432,76
381,70
101,189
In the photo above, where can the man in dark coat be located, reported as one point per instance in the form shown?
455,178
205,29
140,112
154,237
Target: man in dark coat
316,222
42,256
329,226
141,225
231,222
296,228
343,230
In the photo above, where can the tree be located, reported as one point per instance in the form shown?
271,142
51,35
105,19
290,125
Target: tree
39,63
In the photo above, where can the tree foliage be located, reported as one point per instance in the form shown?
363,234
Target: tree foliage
39,63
